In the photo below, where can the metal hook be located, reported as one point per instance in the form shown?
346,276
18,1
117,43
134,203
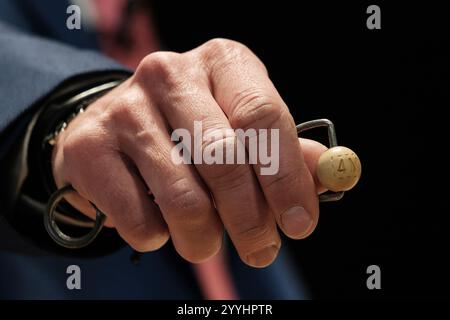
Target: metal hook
79,242
332,139
60,237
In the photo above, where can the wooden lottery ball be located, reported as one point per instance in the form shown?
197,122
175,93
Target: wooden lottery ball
338,169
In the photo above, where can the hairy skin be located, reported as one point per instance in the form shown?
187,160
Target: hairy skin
118,151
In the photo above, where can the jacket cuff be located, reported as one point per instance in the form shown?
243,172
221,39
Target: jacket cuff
28,181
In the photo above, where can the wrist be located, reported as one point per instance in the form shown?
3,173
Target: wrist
51,122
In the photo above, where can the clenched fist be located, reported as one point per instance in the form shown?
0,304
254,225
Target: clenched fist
118,154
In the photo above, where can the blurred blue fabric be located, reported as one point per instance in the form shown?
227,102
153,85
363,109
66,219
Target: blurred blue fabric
31,67
157,276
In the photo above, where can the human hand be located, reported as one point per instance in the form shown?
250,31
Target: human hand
120,150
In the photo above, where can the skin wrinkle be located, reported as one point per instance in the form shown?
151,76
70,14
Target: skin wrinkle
120,149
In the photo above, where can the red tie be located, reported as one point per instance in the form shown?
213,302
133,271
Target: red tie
127,35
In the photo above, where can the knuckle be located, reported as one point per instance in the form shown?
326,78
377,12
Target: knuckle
219,142
147,139
231,177
222,46
252,232
130,122
182,204
282,181
254,109
224,176
160,68
124,111
220,53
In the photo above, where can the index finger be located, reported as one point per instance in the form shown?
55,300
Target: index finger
242,88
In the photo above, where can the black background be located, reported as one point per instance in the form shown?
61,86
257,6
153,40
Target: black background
387,91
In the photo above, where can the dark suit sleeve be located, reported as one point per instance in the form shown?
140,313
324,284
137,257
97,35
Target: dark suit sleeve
31,69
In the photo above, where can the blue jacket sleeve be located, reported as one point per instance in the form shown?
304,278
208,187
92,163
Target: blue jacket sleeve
31,68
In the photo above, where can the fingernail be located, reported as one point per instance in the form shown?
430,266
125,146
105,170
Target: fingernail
264,257
296,222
